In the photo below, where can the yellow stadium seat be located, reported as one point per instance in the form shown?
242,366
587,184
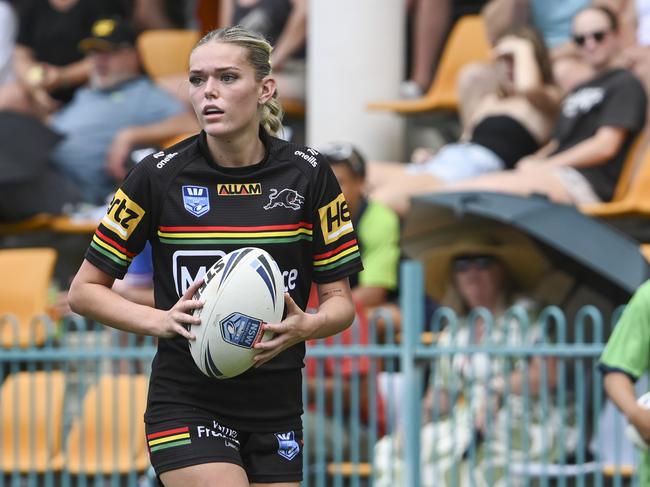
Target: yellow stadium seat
24,292
109,436
467,43
31,421
165,52
632,194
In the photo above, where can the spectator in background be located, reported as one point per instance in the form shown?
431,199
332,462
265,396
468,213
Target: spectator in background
48,64
625,359
377,228
430,23
119,111
284,24
7,42
336,375
598,122
468,270
512,122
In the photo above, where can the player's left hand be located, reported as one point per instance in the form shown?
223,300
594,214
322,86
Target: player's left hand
295,328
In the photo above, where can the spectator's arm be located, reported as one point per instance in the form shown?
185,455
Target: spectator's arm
23,62
226,12
151,14
330,384
594,151
370,296
146,135
293,35
73,74
534,377
620,389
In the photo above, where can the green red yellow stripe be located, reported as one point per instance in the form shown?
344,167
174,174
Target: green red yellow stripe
236,234
169,438
111,249
336,257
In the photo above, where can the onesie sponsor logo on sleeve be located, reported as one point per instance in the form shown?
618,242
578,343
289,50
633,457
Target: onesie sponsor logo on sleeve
309,156
335,219
123,215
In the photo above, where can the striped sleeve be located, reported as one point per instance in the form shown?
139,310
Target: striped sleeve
123,231
335,246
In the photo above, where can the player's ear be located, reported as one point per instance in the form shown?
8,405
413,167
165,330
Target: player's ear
267,89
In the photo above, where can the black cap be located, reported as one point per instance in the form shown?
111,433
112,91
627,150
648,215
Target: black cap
109,34
344,152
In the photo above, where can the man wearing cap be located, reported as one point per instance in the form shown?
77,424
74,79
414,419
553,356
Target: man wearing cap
120,110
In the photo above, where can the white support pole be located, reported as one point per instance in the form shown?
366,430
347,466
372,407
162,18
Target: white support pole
355,56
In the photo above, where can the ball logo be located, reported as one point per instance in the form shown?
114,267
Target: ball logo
196,200
241,330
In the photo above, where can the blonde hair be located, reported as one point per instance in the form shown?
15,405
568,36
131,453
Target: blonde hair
259,56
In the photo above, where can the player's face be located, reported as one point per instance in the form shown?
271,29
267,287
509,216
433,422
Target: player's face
593,34
223,90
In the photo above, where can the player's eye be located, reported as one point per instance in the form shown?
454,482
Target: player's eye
195,80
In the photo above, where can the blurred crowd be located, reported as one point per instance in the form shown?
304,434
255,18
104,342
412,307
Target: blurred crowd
554,111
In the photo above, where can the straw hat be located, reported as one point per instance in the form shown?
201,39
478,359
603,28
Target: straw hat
523,262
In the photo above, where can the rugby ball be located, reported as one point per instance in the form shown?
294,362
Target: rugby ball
632,433
241,291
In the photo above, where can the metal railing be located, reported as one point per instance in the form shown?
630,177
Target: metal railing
366,422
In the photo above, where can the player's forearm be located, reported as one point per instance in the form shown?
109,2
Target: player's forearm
333,316
99,303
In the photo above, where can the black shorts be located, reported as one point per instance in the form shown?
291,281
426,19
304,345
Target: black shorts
266,457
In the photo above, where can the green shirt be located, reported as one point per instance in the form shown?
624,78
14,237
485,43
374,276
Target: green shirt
628,350
378,231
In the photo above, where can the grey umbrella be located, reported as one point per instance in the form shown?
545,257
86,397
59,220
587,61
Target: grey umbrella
592,252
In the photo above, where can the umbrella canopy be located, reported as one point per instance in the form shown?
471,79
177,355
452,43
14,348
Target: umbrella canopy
25,146
592,252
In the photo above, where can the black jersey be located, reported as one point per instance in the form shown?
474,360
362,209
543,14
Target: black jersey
194,211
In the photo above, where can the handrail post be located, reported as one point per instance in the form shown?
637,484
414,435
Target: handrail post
412,306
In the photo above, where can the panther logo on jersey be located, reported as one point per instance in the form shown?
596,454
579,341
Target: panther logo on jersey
288,198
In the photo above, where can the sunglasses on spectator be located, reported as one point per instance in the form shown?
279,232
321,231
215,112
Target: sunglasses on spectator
344,152
598,36
466,262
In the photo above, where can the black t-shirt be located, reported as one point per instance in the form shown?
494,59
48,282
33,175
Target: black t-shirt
194,211
54,35
615,99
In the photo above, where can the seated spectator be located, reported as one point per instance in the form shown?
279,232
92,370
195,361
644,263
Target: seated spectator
119,111
626,358
598,122
496,273
284,24
323,423
377,227
430,22
506,126
48,64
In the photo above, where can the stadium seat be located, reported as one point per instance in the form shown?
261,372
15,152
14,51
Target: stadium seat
109,436
31,421
632,194
37,222
165,52
467,43
24,292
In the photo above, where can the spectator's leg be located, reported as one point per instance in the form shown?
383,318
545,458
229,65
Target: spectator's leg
432,21
542,180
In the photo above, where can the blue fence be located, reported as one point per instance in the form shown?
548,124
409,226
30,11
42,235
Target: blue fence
383,406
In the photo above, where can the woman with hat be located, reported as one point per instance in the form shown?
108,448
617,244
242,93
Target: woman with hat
479,404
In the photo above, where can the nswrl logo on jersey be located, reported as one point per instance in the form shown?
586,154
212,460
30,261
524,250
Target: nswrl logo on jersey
287,445
196,200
